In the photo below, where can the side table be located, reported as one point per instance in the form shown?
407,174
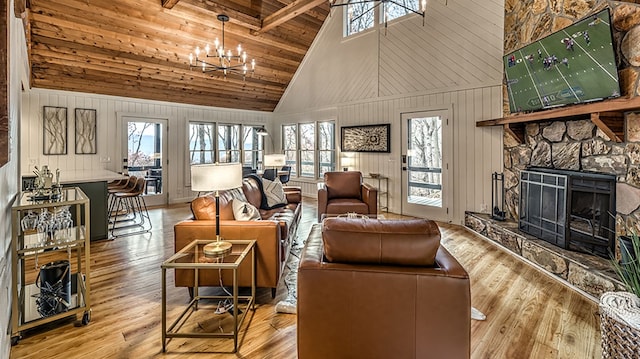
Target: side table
192,257
382,207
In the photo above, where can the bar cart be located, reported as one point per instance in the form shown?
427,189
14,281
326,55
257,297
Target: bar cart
50,258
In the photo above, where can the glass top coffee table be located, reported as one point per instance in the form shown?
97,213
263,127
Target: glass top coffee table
225,313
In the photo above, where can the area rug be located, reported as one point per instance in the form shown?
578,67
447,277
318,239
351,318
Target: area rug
290,275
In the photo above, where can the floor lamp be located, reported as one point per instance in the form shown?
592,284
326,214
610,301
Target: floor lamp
216,177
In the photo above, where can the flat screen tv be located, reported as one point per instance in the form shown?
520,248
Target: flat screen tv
573,65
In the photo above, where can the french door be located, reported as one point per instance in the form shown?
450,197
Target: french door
145,155
426,165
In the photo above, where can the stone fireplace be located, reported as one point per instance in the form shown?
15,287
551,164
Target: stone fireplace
572,210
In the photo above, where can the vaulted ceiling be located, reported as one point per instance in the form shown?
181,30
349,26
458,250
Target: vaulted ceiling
140,48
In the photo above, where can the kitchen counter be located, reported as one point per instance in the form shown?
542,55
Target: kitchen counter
94,184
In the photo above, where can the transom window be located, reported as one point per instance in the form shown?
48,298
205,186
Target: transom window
363,15
310,148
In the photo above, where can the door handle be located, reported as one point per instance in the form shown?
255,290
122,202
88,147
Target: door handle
404,168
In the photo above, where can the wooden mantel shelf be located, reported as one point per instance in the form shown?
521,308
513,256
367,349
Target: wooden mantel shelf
607,115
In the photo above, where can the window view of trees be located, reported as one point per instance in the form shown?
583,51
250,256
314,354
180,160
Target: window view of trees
290,145
326,147
425,159
299,142
228,143
253,147
360,16
394,10
202,144
144,141
201,139
307,149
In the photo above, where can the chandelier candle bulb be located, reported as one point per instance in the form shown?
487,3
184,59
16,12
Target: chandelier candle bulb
226,61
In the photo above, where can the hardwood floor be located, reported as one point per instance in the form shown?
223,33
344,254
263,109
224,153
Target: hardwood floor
529,315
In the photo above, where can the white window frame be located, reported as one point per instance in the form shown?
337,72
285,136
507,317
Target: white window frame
296,167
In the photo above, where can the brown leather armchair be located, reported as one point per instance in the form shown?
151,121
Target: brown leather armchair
344,192
370,288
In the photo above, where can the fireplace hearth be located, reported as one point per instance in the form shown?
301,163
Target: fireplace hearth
573,210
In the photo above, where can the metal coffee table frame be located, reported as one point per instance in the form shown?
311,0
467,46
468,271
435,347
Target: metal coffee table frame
195,249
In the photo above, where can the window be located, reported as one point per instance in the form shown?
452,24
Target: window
228,143
290,145
399,8
359,17
326,147
310,148
363,15
253,147
307,149
201,143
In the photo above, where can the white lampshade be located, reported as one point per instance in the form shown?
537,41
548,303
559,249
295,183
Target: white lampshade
216,177
274,160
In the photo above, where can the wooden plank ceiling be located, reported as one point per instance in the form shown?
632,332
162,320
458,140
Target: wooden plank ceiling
140,48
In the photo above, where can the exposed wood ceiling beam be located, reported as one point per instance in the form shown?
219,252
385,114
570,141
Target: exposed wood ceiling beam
235,16
287,13
169,4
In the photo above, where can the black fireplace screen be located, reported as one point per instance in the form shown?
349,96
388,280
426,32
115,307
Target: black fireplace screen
569,209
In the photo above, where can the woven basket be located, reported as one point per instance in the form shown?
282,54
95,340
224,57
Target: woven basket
619,340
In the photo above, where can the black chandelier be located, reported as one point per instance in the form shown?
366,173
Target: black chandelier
221,59
378,3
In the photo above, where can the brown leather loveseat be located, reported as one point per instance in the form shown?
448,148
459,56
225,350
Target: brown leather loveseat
343,192
274,233
370,288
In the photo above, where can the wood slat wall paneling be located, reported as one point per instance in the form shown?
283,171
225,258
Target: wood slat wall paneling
109,132
460,46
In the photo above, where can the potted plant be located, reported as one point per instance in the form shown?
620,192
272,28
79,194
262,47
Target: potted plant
628,268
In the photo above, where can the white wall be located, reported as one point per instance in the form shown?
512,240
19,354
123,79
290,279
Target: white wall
453,61
9,174
109,132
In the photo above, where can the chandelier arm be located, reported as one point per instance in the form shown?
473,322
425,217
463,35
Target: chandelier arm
407,8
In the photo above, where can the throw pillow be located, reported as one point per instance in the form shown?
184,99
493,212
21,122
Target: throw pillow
243,211
274,192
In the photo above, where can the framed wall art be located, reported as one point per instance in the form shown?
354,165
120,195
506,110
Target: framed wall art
369,138
54,124
86,143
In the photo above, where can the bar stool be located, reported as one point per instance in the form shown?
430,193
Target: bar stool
127,185
129,210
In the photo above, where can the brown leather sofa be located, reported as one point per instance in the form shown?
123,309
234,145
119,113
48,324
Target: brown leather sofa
274,234
370,288
343,192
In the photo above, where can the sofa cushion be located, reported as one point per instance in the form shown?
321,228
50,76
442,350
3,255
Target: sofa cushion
205,207
343,184
346,205
243,211
274,193
411,242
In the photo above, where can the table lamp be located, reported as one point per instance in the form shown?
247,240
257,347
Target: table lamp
216,177
347,160
275,160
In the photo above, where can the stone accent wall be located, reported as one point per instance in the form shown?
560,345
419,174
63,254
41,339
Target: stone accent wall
526,21
579,146
592,275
